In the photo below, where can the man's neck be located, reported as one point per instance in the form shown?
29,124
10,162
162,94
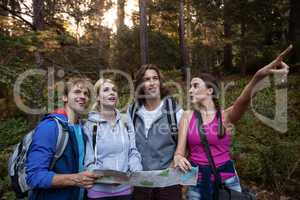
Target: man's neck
72,116
152,104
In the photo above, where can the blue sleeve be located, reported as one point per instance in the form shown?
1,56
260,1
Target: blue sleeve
40,155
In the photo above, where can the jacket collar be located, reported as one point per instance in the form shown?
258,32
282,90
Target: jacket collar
163,109
60,111
96,117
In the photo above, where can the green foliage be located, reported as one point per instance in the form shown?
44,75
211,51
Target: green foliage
5,188
264,155
159,42
126,52
11,131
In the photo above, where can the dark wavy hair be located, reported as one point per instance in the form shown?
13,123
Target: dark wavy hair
139,80
213,83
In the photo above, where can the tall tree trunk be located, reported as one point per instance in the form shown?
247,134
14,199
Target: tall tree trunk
294,29
189,32
121,15
77,32
243,51
105,43
227,35
144,32
39,25
4,12
38,14
15,5
183,51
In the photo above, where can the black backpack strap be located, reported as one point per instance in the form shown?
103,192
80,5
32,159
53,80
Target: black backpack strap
94,141
207,150
221,128
62,141
171,115
132,111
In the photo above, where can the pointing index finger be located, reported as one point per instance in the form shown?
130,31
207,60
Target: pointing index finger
285,52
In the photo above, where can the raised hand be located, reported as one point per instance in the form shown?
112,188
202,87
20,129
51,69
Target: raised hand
277,66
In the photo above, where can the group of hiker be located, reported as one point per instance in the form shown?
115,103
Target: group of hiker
154,134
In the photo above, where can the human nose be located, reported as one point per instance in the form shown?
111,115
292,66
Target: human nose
112,93
152,81
83,95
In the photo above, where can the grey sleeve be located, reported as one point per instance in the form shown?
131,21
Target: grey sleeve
89,151
134,156
179,115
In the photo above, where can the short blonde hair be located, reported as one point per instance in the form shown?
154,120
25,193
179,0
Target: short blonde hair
97,88
72,81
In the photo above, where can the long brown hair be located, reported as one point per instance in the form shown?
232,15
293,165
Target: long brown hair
139,80
214,83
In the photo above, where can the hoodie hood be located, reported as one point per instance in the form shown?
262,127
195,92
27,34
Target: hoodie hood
96,117
59,114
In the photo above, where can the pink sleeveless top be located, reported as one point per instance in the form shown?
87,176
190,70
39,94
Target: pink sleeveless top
220,147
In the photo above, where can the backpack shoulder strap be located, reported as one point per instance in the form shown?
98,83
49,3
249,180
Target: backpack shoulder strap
94,140
132,111
171,114
62,141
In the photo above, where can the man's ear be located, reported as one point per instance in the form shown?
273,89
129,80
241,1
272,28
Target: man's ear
65,98
97,98
210,91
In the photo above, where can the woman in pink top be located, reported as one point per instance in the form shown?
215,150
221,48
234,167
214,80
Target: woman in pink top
204,93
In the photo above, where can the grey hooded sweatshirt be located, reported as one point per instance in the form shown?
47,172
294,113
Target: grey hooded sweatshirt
115,148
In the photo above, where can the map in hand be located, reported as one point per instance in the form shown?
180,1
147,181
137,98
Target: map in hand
155,178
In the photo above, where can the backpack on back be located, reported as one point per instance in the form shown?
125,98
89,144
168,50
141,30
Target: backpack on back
17,160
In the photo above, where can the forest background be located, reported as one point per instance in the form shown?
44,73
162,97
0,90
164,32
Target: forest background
229,38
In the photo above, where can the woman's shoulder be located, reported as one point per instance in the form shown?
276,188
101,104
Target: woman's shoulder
187,115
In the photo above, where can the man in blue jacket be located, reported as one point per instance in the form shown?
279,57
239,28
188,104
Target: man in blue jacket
67,180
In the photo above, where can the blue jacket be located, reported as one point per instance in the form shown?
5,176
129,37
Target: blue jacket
40,155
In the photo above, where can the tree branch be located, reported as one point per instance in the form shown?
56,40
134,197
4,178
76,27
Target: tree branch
16,15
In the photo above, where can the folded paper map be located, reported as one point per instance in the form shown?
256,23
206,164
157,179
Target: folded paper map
155,178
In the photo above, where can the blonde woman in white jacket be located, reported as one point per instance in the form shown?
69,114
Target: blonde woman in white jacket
114,145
